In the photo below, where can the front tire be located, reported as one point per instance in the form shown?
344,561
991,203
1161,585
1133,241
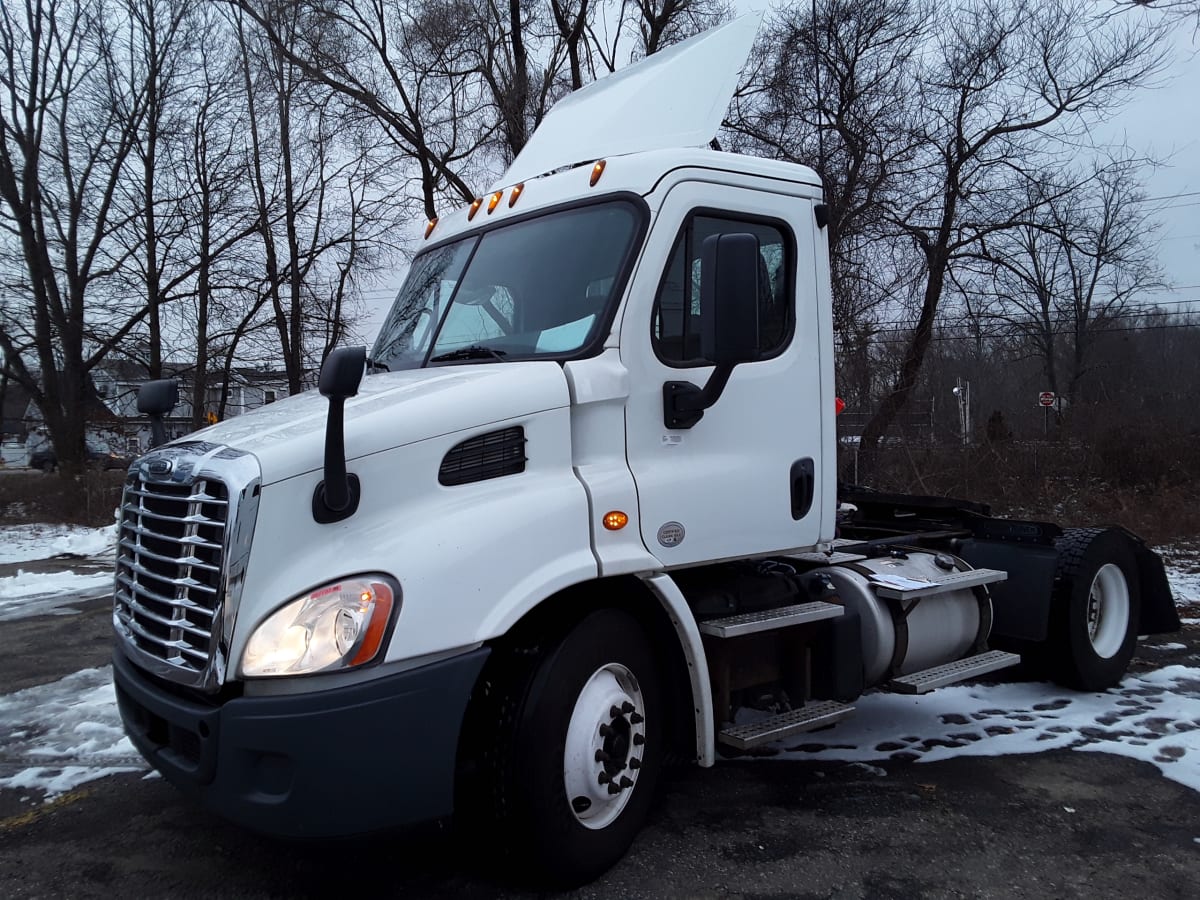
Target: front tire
577,754
1095,620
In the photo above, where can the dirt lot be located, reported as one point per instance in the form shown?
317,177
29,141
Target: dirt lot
1057,824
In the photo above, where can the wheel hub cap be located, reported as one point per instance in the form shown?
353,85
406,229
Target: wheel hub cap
1108,610
605,737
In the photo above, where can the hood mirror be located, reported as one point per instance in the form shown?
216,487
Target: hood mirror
156,399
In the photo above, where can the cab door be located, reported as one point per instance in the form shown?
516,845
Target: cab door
749,478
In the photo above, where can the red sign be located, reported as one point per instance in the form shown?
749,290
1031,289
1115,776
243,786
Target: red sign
1046,398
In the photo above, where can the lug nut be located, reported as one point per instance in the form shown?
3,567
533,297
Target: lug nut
605,731
601,756
613,712
636,719
626,782
627,707
613,789
638,740
603,778
635,763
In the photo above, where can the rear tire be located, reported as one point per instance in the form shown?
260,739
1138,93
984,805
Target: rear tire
1094,622
539,795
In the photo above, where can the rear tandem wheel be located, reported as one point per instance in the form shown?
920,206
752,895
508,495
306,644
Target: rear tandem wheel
1094,620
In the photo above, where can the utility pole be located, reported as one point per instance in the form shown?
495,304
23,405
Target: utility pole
962,391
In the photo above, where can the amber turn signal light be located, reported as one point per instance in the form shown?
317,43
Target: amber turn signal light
615,520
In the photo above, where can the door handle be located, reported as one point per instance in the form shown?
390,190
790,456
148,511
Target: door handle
803,478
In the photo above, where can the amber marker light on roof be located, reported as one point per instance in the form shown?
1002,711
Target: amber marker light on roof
597,171
516,192
432,224
474,208
495,201
615,520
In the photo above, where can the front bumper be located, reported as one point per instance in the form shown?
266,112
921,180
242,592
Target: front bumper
331,763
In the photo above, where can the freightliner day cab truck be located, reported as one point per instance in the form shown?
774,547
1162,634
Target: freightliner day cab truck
579,516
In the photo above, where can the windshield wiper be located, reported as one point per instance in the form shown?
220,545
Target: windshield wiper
475,351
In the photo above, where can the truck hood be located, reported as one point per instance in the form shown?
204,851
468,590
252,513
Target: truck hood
390,410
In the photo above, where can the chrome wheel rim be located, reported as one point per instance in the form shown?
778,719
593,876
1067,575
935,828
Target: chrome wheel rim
605,741
1108,611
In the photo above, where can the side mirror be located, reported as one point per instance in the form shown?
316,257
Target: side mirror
729,268
156,399
336,497
342,372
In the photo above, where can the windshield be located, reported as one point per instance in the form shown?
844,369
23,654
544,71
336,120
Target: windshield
533,289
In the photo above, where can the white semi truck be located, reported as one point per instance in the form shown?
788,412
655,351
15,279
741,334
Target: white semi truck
580,516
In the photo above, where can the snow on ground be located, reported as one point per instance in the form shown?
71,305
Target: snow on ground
49,593
55,737
1182,562
33,593
1153,717
25,543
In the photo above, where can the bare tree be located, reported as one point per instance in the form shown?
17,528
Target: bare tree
1011,88
1072,269
70,114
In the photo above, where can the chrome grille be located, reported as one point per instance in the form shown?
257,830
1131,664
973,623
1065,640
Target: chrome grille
168,590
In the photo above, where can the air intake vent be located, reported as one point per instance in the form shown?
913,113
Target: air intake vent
485,456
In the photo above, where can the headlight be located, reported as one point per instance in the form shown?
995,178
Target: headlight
336,626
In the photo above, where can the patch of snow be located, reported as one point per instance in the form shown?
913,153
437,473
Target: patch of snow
1171,646
57,736
1153,717
25,543
49,593
1182,563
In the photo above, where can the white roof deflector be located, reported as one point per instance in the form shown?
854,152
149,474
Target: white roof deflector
674,98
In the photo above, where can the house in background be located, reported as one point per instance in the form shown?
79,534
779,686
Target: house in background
13,427
114,424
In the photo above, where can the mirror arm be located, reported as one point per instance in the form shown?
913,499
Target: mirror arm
684,403
337,496
158,430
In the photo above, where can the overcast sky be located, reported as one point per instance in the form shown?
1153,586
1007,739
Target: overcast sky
1165,123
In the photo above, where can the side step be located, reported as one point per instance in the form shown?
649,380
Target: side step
776,728
952,672
900,588
769,619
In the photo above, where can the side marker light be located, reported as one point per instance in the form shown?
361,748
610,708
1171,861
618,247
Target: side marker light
615,520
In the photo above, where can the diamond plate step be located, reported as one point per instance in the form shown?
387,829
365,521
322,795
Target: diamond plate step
826,559
909,589
952,672
807,718
769,619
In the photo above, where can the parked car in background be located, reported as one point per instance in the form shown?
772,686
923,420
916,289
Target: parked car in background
45,459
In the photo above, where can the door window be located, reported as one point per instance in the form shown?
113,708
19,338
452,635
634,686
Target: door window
676,328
